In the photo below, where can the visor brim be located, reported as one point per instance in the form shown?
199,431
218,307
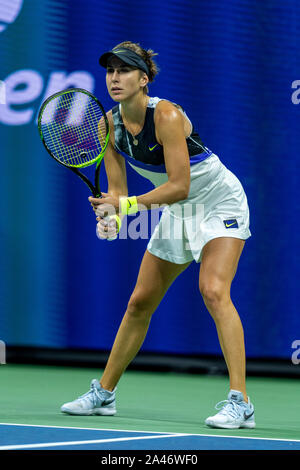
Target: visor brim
127,56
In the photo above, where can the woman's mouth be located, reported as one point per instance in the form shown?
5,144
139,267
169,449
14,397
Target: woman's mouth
116,90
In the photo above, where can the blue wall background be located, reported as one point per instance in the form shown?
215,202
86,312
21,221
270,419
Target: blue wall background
235,68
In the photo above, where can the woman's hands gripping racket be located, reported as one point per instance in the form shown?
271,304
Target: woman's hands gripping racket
75,131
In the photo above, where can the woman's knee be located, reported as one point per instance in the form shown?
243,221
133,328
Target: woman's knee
141,303
214,292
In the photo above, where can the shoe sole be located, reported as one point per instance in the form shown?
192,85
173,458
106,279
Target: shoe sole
230,426
97,411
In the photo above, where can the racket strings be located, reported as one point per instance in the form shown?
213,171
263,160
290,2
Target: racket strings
74,128
54,128
84,131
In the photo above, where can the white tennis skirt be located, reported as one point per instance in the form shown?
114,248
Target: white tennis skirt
216,207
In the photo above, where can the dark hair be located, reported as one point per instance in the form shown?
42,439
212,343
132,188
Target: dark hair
146,56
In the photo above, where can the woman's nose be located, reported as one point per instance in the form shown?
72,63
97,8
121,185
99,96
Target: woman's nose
115,76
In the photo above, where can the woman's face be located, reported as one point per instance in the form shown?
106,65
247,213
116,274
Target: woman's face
123,81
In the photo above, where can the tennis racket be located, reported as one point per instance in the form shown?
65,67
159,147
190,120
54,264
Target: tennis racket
74,129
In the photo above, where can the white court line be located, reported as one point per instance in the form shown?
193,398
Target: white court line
94,441
87,429
154,432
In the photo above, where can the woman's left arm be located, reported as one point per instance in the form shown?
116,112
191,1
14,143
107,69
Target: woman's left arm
169,124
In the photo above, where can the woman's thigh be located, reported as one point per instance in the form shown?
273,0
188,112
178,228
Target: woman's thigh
155,277
220,260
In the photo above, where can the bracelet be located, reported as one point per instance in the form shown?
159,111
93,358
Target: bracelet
128,205
118,220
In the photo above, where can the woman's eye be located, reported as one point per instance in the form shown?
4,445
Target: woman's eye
122,70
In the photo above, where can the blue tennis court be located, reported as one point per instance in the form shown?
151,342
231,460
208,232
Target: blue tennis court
21,437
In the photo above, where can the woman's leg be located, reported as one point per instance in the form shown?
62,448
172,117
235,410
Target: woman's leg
154,279
218,267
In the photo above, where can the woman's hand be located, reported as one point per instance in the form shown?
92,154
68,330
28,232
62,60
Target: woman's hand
104,206
107,229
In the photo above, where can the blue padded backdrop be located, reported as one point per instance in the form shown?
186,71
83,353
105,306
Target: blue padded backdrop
235,68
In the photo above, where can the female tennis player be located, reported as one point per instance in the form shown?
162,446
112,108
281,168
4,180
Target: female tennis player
158,140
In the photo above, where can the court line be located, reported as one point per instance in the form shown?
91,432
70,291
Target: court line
154,432
94,441
87,429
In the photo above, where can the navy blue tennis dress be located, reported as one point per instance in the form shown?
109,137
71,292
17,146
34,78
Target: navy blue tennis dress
216,205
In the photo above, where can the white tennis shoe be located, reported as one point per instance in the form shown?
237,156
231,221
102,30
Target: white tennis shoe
234,413
96,401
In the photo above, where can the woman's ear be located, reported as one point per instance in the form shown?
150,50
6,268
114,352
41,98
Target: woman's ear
144,80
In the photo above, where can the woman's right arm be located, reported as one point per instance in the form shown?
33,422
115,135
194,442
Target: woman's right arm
115,168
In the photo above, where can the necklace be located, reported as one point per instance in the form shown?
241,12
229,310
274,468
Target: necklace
135,140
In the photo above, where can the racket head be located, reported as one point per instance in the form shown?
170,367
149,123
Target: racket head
74,128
